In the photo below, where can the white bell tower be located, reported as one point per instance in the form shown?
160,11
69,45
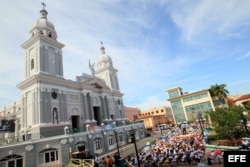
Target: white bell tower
106,71
43,53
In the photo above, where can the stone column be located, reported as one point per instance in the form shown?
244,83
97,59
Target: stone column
91,111
86,106
103,108
107,107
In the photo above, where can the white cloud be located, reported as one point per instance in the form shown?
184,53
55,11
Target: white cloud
152,101
245,56
203,18
139,36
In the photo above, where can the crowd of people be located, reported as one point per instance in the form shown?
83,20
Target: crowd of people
171,149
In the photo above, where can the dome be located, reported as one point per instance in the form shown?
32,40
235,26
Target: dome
104,60
43,23
43,26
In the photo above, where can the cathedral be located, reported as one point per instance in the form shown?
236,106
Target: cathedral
54,114
49,102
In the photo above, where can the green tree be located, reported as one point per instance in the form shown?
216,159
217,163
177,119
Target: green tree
219,93
226,123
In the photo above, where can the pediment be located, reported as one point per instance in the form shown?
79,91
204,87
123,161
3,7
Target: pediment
98,83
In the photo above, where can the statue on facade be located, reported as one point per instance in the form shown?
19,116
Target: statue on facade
91,67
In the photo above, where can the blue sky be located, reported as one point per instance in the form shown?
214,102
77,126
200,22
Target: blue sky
155,45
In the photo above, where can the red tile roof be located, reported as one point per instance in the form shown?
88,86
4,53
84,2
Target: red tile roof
243,97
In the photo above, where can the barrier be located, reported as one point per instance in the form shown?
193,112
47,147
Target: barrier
208,146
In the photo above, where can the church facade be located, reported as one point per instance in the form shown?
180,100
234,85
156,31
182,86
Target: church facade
55,115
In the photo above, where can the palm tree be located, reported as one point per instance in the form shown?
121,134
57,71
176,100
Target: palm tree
219,93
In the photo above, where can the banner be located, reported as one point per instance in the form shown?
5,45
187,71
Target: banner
7,126
100,128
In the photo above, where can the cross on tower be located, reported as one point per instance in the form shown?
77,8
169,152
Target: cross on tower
44,5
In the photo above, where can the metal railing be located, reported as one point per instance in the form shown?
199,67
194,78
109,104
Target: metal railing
74,162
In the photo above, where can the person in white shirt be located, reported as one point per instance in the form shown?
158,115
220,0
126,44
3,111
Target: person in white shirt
97,160
245,144
220,157
211,157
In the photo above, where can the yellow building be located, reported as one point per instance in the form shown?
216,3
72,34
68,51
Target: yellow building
156,116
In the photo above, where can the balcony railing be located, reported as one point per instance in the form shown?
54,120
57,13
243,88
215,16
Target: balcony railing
36,136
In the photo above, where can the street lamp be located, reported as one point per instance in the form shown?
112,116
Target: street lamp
117,145
133,139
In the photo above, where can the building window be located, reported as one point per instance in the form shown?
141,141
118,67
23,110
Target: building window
111,140
32,64
173,94
120,137
48,157
98,144
50,34
41,31
12,160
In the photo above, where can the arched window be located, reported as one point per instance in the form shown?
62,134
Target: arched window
120,137
98,144
50,34
12,160
111,140
55,115
32,64
48,156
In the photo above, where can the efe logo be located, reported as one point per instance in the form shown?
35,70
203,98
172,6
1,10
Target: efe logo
236,159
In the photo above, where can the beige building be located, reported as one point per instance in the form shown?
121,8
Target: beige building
190,106
156,116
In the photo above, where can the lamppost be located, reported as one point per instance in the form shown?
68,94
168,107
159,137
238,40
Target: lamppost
117,145
133,139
